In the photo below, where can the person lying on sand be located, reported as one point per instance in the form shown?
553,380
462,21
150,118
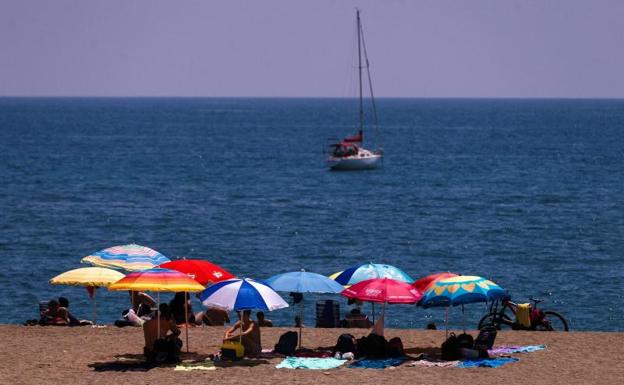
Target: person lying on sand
263,322
212,317
55,315
73,321
142,303
160,345
250,334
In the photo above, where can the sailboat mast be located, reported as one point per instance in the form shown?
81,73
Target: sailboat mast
359,33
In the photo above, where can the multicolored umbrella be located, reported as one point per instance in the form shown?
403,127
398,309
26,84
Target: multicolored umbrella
158,279
242,294
303,282
202,271
127,257
461,290
424,283
91,278
358,273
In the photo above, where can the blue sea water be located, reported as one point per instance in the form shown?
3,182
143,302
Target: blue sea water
529,193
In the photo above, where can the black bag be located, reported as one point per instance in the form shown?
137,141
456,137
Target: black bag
485,340
372,346
287,343
450,348
465,341
346,343
395,348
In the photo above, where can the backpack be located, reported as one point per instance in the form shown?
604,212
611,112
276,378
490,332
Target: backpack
465,341
287,343
372,346
450,348
345,344
485,339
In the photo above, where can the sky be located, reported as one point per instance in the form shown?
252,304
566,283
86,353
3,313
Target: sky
296,48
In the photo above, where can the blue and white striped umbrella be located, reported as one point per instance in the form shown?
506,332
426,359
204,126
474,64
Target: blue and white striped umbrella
126,257
242,294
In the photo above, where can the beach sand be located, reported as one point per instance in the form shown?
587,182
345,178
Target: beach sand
110,355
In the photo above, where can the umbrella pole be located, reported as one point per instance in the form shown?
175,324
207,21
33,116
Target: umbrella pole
186,318
94,307
446,321
300,322
373,304
463,320
158,313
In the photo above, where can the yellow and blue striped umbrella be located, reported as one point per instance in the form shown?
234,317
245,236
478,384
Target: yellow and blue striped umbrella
127,257
461,290
88,276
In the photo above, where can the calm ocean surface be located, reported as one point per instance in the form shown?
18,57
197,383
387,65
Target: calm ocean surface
529,193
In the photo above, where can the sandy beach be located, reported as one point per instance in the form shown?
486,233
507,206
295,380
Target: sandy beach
109,355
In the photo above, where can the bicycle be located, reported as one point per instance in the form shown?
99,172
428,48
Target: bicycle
505,316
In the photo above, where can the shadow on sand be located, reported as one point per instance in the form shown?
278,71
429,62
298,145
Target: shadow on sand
136,363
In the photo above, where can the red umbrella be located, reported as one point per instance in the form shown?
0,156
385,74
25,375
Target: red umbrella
423,284
383,290
202,271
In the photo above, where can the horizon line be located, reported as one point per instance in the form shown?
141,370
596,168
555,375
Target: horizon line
311,97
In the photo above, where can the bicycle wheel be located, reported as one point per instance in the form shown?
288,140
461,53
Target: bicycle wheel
496,320
553,321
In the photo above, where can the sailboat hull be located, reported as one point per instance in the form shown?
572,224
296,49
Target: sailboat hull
354,163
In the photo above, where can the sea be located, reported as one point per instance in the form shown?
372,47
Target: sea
526,192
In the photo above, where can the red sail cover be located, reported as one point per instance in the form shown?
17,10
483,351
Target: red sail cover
356,138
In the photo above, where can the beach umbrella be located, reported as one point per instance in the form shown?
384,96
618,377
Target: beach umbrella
461,290
158,279
202,271
126,257
242,294
303,282
362,272
424,283
384,290
89,277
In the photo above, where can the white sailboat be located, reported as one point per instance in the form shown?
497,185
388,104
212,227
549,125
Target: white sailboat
349,154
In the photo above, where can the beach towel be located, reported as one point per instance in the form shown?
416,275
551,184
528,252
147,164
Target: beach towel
309,363
377,364
486,362
431,363
515,349
188,366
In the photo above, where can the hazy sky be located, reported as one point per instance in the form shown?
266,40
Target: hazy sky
420,48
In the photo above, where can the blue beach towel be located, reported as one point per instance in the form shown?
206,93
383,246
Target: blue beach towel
377,364
309,363
486,362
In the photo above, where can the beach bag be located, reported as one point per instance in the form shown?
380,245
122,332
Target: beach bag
485,339
372,346
165,350
395,348
287,343
465,341
345,344
450,348
232,350
523,315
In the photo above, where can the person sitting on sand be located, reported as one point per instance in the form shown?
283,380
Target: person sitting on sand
160,345
55,315
263,322
73,321
212,317
249,334
142,303
179,311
